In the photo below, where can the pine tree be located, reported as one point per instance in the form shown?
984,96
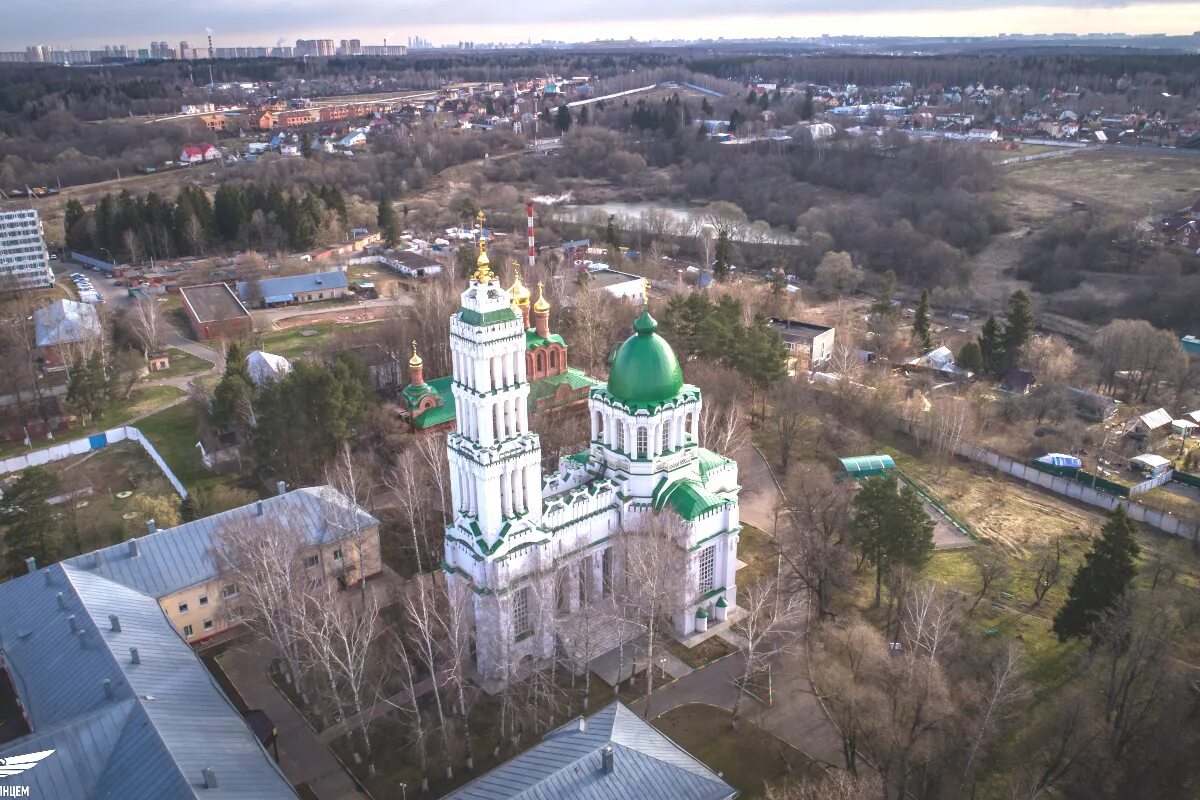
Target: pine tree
806,111
1106,574
887,293
735,119
306,148
891,527
562,120
75,225
30,529
611,238
970,357
1018,328
922,335
991,344
229,212
583,115
385,218
723,256
89,389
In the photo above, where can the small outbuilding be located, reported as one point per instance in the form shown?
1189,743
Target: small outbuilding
859,467
1151,463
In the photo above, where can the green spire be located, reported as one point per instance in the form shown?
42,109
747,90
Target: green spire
645,324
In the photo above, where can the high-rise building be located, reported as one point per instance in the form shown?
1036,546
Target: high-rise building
185,51
24,262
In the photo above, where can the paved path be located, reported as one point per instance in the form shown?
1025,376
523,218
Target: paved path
303,757
760,493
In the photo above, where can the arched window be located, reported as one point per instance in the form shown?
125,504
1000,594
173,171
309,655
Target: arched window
553,359
643,442
600,426
619,435
666,436
541,361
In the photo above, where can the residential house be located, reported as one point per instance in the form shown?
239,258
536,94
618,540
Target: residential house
194,154
294,289
809,345
1153,424
355,138
95,680
1182,231
65,327
184,570
612,754
214,122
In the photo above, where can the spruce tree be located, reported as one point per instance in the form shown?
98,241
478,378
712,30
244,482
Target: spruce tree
1018,328
970,357
30,529
723,256
891,527
922,335
991,344
806,111
1106,574
887,293
389,228
562,120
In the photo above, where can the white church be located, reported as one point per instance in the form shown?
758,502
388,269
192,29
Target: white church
534,551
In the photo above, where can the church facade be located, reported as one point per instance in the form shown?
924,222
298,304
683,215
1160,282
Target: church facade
531,552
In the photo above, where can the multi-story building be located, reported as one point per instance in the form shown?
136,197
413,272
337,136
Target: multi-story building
539,558
321,48
24,261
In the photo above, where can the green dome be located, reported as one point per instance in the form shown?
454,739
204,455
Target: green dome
645,369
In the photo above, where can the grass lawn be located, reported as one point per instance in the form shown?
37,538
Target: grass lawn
754,548
172,431
299,341
182,363
748,758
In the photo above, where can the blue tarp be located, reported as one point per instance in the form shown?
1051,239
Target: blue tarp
1061,460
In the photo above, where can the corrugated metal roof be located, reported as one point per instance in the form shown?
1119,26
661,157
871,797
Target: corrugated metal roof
166,719
867,465
1156,418
183,556
567,765
290,285
65,321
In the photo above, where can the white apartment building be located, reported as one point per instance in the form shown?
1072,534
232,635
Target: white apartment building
24,261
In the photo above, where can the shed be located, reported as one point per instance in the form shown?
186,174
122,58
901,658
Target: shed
858,467
1151,462
1061,460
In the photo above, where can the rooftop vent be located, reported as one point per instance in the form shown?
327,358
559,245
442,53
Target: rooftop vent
582,725
31,564
210,777
62,600
607,760
46,575
134,656
151,526
73,623
258,508
115,622
108,688
133,547
280,488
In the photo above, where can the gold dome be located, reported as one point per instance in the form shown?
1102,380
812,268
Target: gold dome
415,361
483,265
541,306
519,292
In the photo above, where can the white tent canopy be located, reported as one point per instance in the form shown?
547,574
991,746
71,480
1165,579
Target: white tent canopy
266,367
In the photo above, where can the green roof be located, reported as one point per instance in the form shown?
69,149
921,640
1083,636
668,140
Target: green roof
576,379
708,460
472,317
439,413
862,466
645,369
532,340
689,499
581,457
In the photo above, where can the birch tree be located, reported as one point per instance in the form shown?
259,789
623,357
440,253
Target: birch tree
419,605
146,320
771,626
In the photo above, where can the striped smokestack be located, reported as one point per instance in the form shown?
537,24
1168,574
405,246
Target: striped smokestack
532,250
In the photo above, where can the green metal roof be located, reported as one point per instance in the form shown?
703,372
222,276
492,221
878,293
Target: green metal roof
645,369
576,379
439,413
472,317
532,340
688,499
708,460
863,466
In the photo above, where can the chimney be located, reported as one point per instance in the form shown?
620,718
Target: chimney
258,508
210,777
151,526
280,488
583,725
134,656
115,622
73,623
108,688
606,759
46,575
133,547
62,600
31,564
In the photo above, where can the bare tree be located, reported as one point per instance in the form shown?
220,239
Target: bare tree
419,602
1002,692
654,583
771,626
832,786
456,618
991,568
790,416
1048,560
812,540
402,655
724,428
148,324
410,495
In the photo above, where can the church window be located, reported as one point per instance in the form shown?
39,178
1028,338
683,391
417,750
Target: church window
606,571
521,622
553,359
708,563
643,443
541,361
666,437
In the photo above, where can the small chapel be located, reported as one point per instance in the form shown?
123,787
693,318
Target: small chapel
530,552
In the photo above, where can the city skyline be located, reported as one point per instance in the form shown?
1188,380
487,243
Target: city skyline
77,24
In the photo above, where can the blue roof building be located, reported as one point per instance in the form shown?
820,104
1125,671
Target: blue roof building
612,755
297,288
105,682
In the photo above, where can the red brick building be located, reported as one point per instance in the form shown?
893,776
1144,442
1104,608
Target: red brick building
215,311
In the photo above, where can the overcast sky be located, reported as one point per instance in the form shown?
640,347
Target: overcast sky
90,23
